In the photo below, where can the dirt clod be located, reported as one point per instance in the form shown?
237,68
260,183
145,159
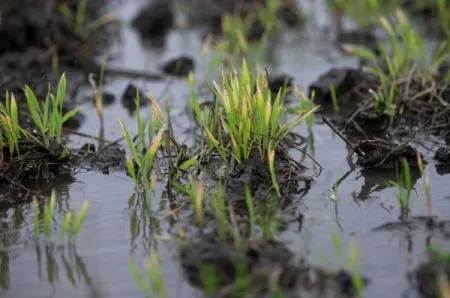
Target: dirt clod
154,20
260,263
442,155
130,95
180,66
383,154
346,83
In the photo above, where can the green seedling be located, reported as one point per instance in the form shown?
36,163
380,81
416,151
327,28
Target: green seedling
404,187
426,183
9,124
248,120
364,12
334,99
357,279
139,164
49,118
351,262
251,209
195,190
220,212
151,285
77,19
73,222
404,57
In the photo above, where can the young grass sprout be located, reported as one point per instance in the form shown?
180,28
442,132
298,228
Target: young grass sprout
404,188
139,164
151,285
49,118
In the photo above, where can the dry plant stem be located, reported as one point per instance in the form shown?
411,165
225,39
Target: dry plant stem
335,130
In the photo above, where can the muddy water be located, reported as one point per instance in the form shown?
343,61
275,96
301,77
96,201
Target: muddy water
117,229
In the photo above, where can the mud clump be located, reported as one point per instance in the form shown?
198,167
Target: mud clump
107,159
34,164
255,173
381,154
426,277
347,84
278,82
129,96
209,13
256,268
442,155
155,20
358,37
180,66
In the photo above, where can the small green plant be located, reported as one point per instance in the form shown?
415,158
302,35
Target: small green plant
77,19
351,262
49,117
139,164
426,184
43,221
220,211
9,121
403,59
404,187
364,12
195,190
153,284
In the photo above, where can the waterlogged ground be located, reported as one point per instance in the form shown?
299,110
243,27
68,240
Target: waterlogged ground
117,228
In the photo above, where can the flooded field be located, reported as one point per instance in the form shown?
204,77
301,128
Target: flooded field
346,220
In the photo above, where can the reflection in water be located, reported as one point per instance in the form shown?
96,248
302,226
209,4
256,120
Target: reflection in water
52,257
377,180
143,224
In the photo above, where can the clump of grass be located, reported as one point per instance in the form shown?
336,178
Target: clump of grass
47,116
43,220
351,262
78,18
245,120
139,164
151,284
363,12
9,121
248,120
403,60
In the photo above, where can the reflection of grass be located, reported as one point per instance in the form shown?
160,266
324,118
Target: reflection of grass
404,188
43,220
152,282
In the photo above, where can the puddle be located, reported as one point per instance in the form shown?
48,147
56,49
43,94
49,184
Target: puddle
118,229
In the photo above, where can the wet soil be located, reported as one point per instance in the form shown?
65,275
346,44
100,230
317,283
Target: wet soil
256,266
362,210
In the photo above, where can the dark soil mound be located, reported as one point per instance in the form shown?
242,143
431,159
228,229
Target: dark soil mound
257,269
255,173
36,38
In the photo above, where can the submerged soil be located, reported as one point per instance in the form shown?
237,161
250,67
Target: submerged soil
349,198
